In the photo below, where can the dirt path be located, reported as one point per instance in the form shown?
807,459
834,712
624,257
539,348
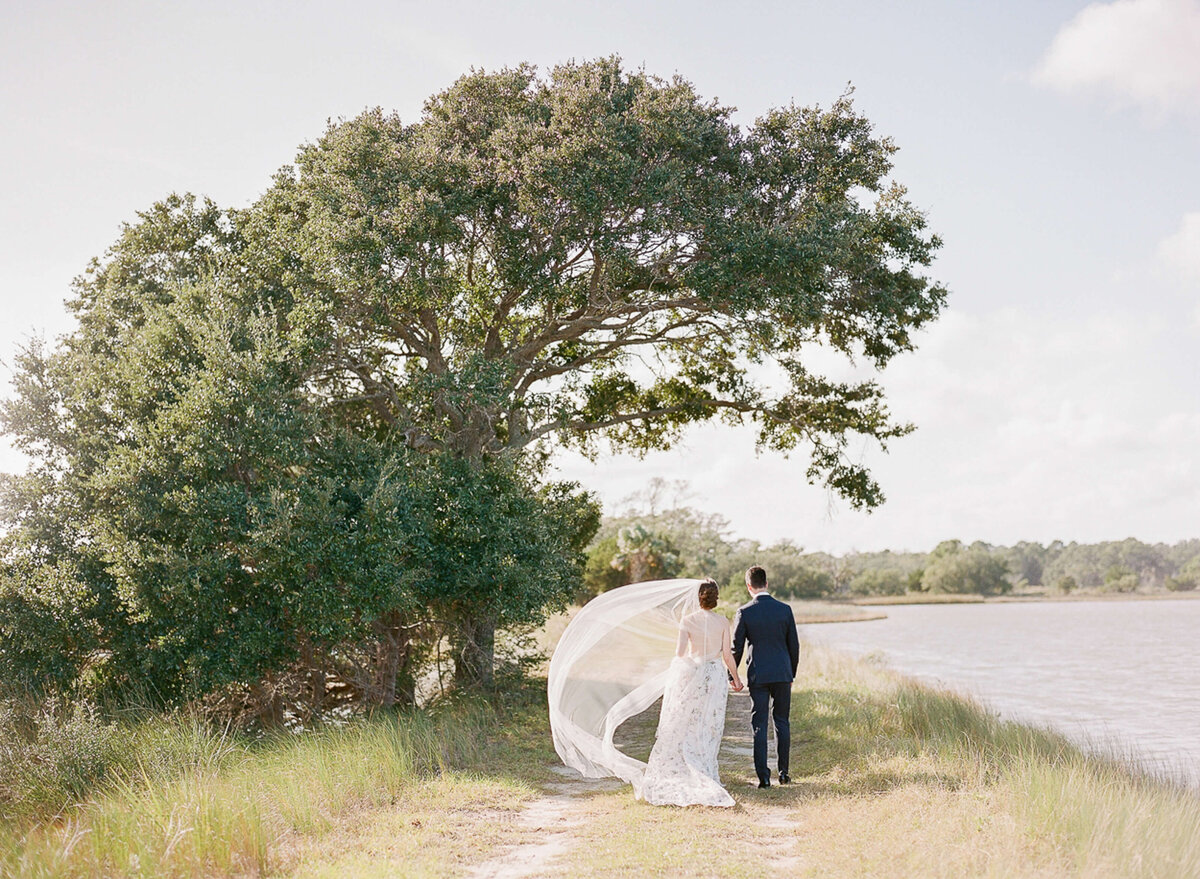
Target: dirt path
552,817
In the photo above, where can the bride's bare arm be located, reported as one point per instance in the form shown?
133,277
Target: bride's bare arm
727,655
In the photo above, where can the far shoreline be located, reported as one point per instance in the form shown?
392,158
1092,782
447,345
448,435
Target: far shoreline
818,611
954,598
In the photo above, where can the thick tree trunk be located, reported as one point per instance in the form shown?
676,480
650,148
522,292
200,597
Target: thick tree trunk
318,691
393,683
268,703
316,680
384,691
474,664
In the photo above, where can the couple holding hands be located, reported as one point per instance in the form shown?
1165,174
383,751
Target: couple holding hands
607,668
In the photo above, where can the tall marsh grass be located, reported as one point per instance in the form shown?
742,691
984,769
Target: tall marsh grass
1098,811
174,797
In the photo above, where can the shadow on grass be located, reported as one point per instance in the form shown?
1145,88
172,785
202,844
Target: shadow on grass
851,742
841,743
846,741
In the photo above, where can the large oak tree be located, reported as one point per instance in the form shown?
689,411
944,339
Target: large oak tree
599,254
596,255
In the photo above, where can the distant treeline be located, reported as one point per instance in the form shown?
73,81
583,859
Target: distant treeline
649,543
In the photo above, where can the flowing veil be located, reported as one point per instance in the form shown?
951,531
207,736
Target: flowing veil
610,664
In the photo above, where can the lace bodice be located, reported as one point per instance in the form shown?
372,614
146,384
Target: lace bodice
702,635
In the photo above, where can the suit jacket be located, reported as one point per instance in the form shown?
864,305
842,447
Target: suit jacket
769,628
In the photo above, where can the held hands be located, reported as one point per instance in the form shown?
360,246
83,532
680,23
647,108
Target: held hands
737,685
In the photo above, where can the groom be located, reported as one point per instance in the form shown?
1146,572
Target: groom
769,628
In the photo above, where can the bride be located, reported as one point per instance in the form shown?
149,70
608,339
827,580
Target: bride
683,765
620,653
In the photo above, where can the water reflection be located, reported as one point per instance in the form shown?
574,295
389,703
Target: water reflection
1120,674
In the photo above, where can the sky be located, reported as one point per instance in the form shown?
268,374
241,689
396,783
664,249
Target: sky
1052,144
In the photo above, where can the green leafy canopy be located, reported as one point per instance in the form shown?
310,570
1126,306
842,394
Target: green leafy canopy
317,426
598,253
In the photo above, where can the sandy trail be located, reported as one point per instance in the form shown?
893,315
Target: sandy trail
553,816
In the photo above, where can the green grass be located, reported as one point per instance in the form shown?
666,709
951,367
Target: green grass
892,779
808,612
867,733
896,779
919,598
180,799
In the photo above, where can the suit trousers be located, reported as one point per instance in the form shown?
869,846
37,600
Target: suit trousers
779,694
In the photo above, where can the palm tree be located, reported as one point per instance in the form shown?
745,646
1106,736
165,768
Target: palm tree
643,555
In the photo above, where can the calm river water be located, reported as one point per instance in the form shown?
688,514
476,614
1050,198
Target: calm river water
1124,674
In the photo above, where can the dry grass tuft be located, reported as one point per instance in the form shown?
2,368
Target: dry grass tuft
892,779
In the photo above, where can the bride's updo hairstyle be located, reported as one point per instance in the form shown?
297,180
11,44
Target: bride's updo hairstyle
708,594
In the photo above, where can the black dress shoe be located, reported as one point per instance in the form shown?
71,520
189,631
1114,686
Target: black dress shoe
763,784
784,778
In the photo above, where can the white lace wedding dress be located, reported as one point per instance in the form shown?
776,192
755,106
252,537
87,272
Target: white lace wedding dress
682,770
622,651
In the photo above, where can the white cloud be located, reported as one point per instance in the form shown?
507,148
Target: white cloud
1181,249
1144,52
1031,425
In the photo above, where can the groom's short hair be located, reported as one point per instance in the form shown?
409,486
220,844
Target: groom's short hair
756,577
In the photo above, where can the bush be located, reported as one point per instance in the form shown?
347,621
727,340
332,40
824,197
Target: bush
51,757
974,570
879,581
1188,577
1120,579
734,591
599,575
803,581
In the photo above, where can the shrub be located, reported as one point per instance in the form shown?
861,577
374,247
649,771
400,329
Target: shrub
954,569
1120,579
1188,577
879,581
52,756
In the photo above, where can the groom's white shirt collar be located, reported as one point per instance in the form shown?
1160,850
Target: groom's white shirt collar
766,592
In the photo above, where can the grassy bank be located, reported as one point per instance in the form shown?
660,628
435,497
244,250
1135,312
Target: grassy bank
892,779
175,798
897,779
943,782
1081,595
808,612
918,598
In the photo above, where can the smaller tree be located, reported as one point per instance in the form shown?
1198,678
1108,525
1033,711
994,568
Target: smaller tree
599,575
878,581
1188,577
1026,561
806,581
956,570
644,555
792,574
1119,578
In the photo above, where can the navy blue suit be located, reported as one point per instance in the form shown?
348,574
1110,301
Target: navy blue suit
768,627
